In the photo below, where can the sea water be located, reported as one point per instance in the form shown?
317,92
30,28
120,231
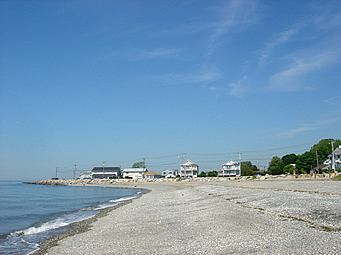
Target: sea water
30,213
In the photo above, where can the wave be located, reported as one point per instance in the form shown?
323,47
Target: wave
69,218
122,199
59,222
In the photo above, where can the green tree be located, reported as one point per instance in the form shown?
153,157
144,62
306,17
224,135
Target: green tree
202,174
138,165
275,170
289,159
306,161
212,174
248,169
276,166
324,148
289,169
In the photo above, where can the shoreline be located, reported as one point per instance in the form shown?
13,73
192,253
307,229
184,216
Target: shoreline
81,226
223,205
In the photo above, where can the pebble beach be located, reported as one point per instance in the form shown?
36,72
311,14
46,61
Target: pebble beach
284,216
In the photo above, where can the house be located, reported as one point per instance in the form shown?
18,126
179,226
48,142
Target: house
230,169
108,172
319,169
337,159
169,173
189,169
85,175
134,173
152,175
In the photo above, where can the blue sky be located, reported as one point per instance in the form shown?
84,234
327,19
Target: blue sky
86,82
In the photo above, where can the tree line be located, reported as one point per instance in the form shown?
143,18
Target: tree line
289,163
305,162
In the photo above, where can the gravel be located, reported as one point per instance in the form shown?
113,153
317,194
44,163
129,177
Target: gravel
251,217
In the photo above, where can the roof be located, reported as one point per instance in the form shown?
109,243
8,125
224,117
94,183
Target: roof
169,170
151,173
189,163
106,169
230,163
134,170
337,151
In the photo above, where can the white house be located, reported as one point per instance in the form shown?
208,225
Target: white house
189,169
169,173
108,172
230,169
337,159
134,173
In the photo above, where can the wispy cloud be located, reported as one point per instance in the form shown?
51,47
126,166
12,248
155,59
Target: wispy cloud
319,124
296,131
304,63
334,101
137,54
202,76
238,88
235,15
160,52
279,39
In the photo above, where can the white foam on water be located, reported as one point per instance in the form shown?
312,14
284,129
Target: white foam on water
121,200
70,218
59,222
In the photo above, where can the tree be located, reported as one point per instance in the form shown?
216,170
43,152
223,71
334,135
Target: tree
289,159
275,170
289,169
306,161
138,164
276,166
212,174
202,174
324,148
248,169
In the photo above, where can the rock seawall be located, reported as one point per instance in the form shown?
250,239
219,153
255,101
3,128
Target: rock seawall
66,182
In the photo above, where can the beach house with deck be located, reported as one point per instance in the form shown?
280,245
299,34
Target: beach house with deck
189,169
230,169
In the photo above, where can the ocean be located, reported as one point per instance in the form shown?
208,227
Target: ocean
32,213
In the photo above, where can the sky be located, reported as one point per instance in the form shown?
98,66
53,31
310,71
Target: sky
87,82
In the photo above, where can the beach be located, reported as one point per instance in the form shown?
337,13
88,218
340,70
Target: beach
218,217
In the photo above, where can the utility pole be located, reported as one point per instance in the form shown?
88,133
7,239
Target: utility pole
240,163
333,155
103,170
56,172
184,157
317,162
74,172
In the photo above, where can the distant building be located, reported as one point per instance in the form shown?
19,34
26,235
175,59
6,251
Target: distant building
169,173
230,169
337,159
152,175
134,173
108,172
85,175
189,169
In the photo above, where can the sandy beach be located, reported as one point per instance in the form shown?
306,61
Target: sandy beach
226,217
